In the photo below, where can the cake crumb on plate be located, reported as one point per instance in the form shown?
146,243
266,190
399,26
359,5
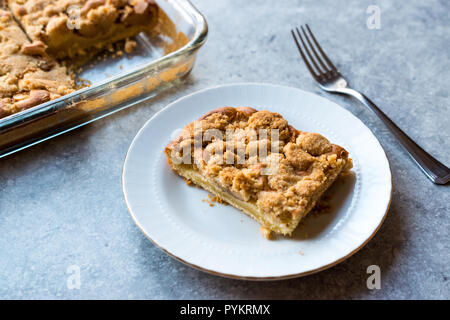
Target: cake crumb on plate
266,232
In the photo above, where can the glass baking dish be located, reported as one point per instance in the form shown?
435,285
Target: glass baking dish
118,81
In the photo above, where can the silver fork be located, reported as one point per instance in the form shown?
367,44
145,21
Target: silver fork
329,79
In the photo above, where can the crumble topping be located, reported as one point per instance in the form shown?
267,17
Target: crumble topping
91,20
303,160
28,76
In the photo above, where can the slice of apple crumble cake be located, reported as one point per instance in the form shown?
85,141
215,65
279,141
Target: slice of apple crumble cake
258,163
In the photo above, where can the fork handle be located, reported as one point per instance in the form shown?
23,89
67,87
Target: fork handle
435,170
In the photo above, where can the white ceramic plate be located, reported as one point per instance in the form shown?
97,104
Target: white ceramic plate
222,240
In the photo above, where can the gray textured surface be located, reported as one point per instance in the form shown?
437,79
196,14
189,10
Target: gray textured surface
61,201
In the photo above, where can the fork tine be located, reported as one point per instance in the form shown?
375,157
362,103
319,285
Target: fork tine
318,58
303,56
330,64
307,52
